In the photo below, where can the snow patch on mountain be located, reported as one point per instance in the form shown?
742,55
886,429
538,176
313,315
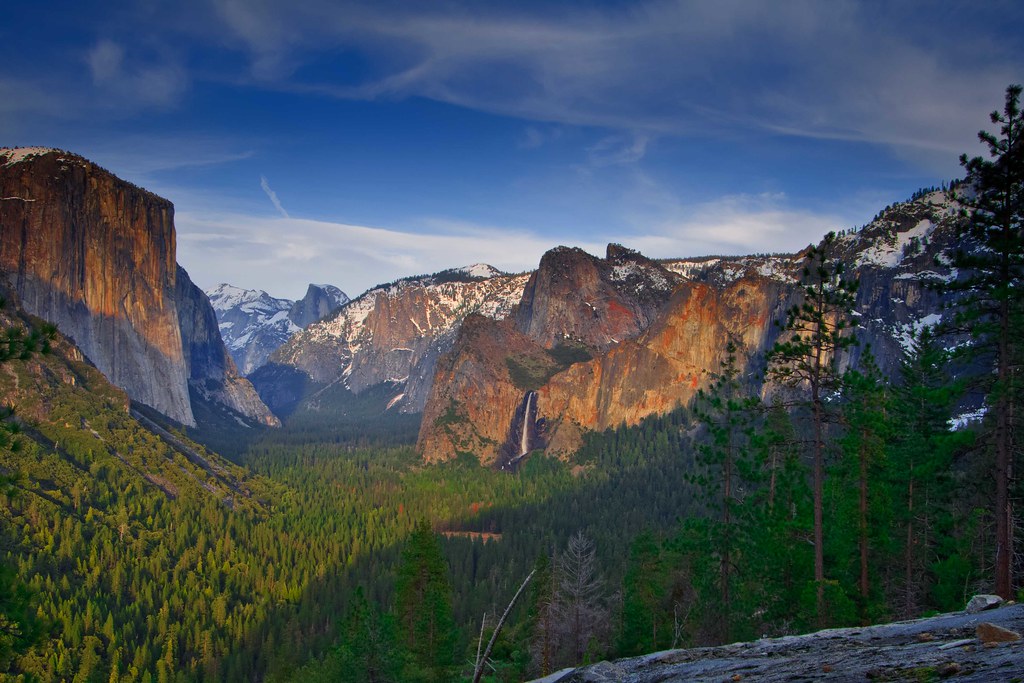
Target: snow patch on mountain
254,324
912,330
889,253
16,155
480,270
642,275
691,268
728,269
964,420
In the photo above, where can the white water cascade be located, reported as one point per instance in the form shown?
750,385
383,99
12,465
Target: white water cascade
524,432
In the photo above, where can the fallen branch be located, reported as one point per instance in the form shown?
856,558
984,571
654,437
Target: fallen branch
497,629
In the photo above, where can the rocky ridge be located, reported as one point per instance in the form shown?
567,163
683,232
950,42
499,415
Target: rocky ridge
95,256
647,347
389,336
254,324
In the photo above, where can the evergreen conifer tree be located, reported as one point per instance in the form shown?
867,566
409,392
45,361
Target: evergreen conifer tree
806,360
424,607
369,649
646,624
724,471
992,307
866,419
921,454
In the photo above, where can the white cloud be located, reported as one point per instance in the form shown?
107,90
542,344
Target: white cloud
272,196
736,225
282,255
618,149
134,84
105,61
535,137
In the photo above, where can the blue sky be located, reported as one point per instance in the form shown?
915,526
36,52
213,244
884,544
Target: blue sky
354,143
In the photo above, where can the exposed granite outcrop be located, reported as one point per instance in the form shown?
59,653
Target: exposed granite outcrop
95,256
655,332
947,645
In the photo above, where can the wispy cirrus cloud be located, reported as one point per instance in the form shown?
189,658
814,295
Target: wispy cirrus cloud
132,81
907,77
272,196
618,149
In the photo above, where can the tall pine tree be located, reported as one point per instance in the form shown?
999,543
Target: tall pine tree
921,454
992,303
867,430
724,471
424,607
806,360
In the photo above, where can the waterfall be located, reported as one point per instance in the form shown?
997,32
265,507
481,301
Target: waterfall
524,434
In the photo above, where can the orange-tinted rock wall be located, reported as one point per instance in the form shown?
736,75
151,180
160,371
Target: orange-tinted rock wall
96,256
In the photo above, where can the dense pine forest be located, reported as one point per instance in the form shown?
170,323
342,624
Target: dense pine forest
836,497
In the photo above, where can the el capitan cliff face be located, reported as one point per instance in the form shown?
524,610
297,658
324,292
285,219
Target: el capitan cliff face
95,255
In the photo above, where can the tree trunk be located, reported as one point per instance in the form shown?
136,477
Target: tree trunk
1004,547
727,541
908,552
864,523
819,485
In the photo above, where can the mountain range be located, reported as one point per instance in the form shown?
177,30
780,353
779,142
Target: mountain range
254,324
597,342
497,364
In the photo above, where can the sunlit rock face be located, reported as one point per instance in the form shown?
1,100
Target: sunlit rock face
657,360
606,342
95,255
391,335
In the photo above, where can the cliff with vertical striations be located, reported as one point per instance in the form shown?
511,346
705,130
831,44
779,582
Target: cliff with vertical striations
604,342
601,341
95,255
389,337
211,371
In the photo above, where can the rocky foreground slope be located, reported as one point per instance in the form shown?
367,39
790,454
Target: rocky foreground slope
95,256
983,647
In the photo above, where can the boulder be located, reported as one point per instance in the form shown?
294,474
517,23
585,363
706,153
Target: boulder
991,633
980,603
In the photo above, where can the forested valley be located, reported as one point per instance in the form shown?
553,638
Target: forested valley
839,497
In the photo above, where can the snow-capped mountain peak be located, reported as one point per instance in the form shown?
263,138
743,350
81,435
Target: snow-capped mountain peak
254,324
480,270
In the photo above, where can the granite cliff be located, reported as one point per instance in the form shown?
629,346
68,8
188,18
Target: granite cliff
389,339
254,324
211,370
95,256
595,343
